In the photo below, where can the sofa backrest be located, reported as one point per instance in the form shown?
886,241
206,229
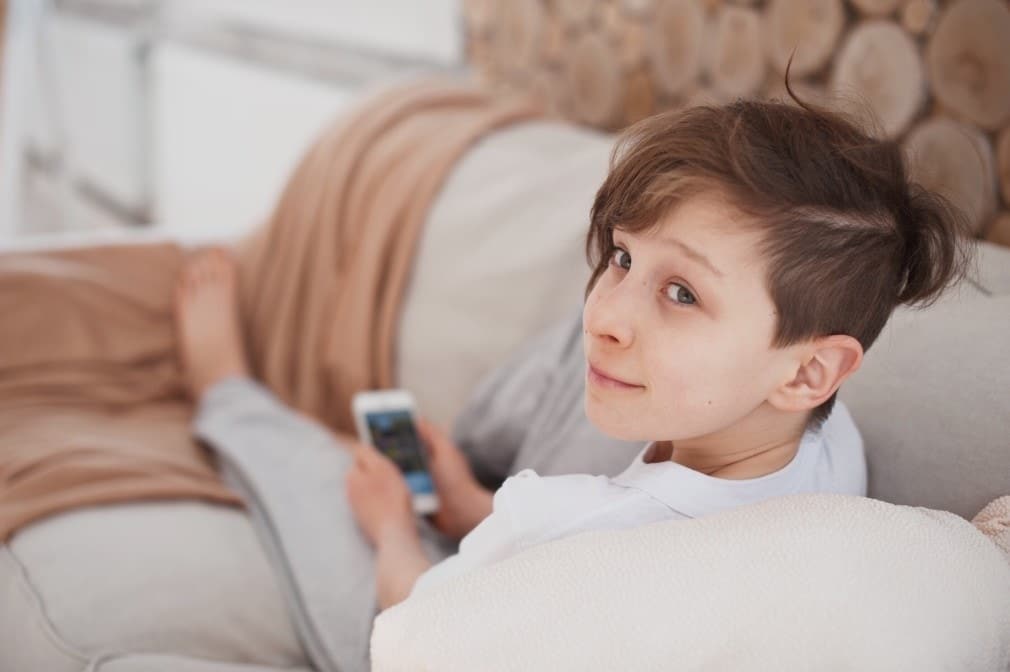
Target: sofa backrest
932,398
500,259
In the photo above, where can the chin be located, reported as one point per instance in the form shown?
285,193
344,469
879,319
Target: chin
614,424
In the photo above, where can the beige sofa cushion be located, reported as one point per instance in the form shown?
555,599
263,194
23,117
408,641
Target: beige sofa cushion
501,257
992,269
182,578
932,401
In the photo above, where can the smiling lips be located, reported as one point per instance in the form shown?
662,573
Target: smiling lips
599,378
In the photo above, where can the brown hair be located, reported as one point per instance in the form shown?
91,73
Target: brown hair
846,234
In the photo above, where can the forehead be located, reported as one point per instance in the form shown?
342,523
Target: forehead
710,225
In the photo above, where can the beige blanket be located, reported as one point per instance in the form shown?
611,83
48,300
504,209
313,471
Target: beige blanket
92,405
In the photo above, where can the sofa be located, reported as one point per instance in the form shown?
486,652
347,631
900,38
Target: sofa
185,585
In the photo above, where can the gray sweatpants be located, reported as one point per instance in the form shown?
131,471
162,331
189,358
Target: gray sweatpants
290,470
527,413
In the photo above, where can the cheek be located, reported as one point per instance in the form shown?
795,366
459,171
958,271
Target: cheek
701,388
689,380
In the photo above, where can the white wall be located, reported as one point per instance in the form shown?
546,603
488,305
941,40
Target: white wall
99,81
23,24
226,135
415,29
190,114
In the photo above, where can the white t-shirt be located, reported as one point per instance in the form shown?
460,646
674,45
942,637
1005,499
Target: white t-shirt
529,509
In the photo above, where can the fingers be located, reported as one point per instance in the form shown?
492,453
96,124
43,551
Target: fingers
427,438
368,460
365,455
424,429
360,460
432,436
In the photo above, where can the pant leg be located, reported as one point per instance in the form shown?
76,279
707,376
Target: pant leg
290,469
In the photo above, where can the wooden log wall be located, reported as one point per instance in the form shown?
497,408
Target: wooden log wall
933,74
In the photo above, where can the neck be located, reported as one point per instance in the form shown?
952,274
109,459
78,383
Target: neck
760,443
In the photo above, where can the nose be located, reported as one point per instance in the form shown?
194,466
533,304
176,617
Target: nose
610,312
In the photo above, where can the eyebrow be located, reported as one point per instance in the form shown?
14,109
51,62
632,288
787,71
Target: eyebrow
689,251
693,254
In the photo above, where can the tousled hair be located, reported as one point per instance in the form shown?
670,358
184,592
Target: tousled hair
846,235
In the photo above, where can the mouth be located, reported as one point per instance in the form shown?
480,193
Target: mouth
599,378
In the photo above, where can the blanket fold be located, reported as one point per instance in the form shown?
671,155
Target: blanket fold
93,407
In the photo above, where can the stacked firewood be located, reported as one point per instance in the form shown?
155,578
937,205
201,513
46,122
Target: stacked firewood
932,74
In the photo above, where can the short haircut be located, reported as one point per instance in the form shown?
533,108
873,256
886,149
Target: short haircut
846,235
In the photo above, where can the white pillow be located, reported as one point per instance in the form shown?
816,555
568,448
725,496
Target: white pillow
827,582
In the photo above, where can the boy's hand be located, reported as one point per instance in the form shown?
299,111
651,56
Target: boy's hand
462,501
379,495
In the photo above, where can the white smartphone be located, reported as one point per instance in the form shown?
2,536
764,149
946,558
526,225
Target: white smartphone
386,419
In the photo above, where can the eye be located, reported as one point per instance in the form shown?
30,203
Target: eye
682,295
621,258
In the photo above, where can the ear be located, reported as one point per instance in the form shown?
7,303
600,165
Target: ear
823,366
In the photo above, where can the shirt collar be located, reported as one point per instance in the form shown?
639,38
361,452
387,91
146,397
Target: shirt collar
695,494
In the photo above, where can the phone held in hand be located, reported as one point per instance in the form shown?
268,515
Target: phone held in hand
386,420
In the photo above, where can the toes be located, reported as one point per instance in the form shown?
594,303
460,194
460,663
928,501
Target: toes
223,260
200,273
224,265
184,282
215,266
206,269
211,267
180,293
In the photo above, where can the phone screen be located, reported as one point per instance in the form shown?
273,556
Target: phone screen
394,434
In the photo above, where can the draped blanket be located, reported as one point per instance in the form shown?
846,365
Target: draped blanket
93,409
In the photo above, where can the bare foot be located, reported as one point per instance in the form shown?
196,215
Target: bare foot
206,315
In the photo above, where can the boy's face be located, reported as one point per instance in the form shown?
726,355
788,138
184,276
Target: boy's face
692,341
